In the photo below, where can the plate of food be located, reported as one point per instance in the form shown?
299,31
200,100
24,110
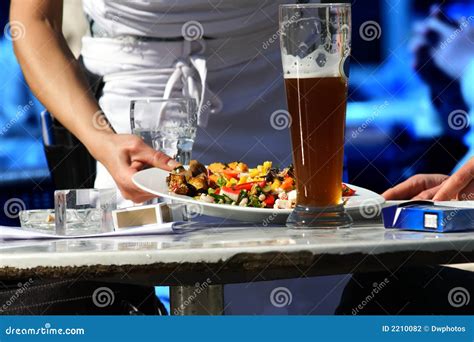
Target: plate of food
236,191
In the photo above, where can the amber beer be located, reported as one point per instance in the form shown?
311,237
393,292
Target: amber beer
315,46
318,109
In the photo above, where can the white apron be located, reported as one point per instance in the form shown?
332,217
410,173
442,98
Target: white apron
244,86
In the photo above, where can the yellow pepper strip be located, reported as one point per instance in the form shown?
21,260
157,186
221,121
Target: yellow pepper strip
276,184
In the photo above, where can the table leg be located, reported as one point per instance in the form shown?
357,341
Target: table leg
191,300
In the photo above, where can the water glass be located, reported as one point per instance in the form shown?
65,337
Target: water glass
167,125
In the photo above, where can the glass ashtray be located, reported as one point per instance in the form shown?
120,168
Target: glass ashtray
84,211
79,221
40,220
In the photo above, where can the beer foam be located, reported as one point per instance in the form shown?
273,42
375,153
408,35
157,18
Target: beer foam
319,63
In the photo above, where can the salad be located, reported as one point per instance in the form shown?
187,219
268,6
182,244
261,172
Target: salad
236,184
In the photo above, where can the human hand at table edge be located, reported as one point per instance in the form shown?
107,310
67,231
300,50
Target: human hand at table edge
421,187
123,155
436,187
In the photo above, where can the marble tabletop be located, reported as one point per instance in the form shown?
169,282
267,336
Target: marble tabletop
229,255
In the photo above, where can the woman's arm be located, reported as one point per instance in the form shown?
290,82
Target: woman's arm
51,69
56,79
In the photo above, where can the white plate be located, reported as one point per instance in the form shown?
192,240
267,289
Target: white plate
154,181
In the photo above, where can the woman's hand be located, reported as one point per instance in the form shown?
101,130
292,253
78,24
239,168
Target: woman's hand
417,187
125,154
459,186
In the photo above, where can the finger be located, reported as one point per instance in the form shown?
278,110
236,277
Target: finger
413,186
146,155
137,197
467,194
142,198
456,183
405,190
135,194
427,194
137,165
128,189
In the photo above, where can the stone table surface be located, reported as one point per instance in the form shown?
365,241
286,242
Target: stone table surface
232,255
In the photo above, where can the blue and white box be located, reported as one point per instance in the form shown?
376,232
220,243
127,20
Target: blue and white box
430,216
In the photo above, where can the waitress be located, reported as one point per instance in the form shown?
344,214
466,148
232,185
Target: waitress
226,55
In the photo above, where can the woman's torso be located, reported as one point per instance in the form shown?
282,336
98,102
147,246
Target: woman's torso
244,70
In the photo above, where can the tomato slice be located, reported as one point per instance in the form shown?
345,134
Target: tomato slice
248,186
231,173
269,201
346,191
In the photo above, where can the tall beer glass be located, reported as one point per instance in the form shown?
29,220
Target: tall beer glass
315,44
